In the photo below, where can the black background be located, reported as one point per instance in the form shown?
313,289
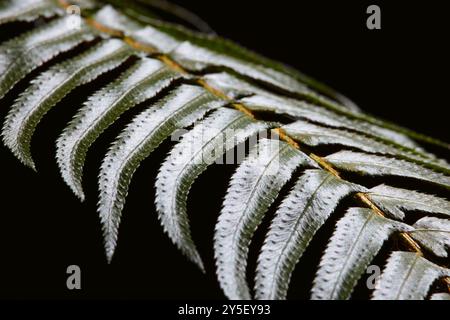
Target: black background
399,73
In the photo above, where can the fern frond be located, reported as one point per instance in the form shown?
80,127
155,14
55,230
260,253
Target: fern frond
358,237
196,58
395,200
22,54
223,93
407,276
198,149
156,39
253,188
147,130
433,234
232,86
141,82
27,10
440,296
163,42
115,20
51,86
378,165
318,114
364,122
237,88
304,210
315,135
223,47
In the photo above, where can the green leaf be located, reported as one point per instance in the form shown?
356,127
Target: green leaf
51,86
22,54
319,114
180,109
147,35
395,200
358,237
304,210
232,86
198,149
407,276
440,296
218,46
113,19
378,166
27,10
227,82
315,135
196,58
154,38
252,190
237,87
433,234
141,82
219,77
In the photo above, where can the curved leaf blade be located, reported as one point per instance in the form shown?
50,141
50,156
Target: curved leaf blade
304,210
141,82
232,86
434,234
198,149
197,58
358,237
114,19
253,188
156,39
238,88
143,135
50,87
316,135
395,200
407,276
301,109
27,10
440,296
378,165
21,55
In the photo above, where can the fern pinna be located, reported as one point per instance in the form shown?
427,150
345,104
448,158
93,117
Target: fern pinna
221,94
